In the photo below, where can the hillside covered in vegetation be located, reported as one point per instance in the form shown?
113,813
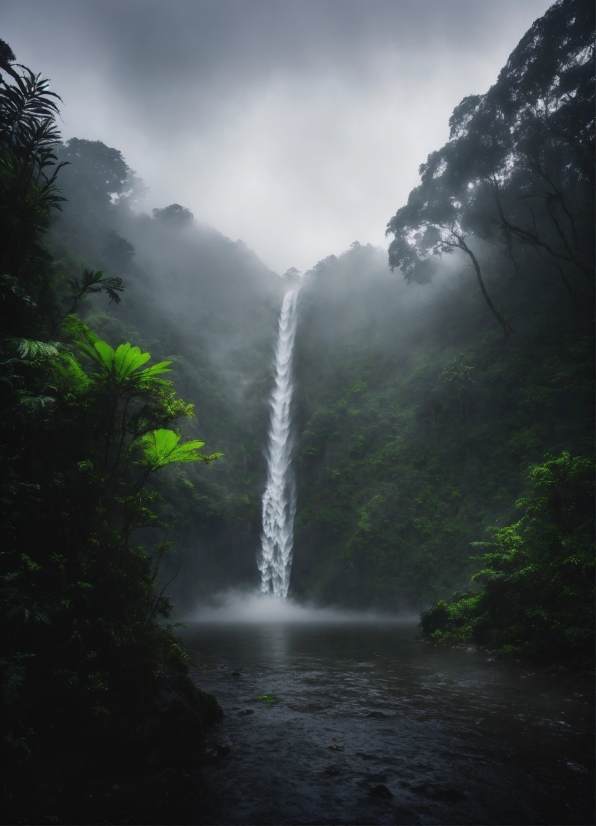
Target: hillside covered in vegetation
433,398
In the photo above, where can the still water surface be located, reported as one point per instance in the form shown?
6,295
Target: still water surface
370,727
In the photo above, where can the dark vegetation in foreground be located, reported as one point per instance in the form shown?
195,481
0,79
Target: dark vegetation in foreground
87,671
426,407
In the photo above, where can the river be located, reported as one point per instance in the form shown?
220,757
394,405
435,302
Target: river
367,726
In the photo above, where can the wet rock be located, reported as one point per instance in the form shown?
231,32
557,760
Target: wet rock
179,715
246,712
381,792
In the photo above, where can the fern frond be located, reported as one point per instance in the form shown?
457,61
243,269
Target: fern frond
35,350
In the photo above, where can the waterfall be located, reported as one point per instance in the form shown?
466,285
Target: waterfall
279,503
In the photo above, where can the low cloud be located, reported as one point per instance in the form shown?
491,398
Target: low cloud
298,127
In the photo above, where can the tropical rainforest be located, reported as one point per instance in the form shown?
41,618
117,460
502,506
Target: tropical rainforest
443,412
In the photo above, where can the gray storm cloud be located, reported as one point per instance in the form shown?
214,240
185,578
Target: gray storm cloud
296,126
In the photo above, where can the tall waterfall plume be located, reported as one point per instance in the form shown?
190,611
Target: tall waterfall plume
279,501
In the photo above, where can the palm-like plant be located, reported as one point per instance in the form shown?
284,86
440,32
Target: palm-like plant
162,447
122,365
28,135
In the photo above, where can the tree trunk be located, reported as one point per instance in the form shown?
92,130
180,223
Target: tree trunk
507,328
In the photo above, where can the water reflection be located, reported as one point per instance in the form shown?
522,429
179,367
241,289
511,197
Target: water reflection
274,644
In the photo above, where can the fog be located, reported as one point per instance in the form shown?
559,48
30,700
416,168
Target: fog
295,126
370,362
254,607
209,304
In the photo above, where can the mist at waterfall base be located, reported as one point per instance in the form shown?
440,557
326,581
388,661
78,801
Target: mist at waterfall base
256,607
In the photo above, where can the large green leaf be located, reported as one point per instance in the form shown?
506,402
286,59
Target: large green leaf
127,359
123,363
162,447
149,374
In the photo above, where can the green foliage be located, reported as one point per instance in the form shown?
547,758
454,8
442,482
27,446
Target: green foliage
161,448
178,284
538,576
94,282
84,427
28,172
120,365
410,446
514,172
32,351
416,421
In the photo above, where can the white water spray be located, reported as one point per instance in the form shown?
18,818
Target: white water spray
279,501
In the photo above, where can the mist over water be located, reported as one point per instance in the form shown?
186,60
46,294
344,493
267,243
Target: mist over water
279,500
257,607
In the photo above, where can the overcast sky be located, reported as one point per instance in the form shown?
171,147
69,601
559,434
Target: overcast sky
295,125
